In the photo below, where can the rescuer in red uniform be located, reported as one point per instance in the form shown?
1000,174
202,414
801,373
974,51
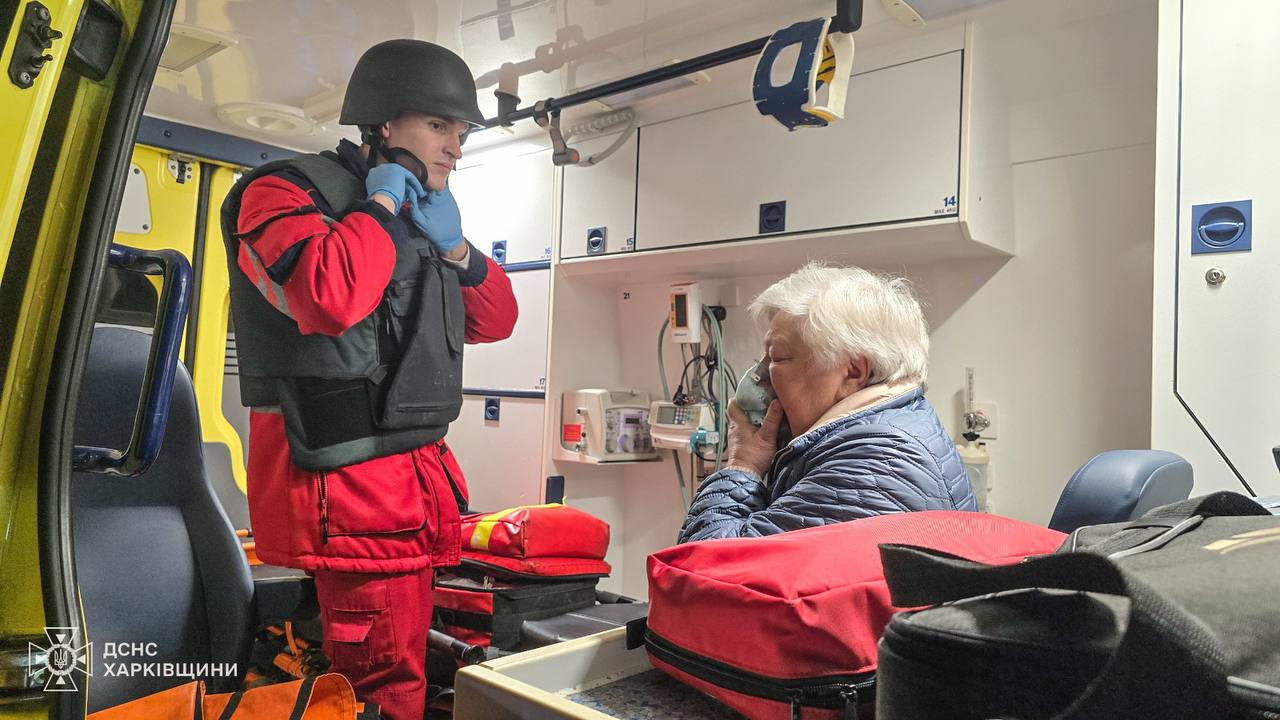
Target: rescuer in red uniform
353,292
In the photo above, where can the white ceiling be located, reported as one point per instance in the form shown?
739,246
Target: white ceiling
287,51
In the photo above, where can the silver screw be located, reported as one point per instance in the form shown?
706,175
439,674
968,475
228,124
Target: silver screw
24,77
1215,277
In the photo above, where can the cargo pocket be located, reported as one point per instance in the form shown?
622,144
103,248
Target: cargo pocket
358,630
426,321
378,496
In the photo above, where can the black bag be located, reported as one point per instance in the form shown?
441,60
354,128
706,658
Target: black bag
487,611
1175,615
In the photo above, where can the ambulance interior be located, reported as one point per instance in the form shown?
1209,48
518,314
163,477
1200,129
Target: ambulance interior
1040,170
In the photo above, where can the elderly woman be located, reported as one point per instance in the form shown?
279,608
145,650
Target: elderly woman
847,352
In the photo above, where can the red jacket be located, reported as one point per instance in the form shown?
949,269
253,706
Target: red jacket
390,514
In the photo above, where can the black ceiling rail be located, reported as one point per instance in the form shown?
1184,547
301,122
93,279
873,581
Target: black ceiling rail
848,18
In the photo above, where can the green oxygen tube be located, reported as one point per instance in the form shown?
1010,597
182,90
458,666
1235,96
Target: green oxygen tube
722,402
686,496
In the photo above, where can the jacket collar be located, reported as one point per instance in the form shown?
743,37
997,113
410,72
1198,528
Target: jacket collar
866,400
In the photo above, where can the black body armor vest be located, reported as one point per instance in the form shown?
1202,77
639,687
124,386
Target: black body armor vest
390,383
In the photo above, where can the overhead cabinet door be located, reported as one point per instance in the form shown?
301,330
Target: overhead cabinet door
894,158
599,209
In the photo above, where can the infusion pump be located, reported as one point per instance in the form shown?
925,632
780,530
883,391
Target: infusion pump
674,426
607,424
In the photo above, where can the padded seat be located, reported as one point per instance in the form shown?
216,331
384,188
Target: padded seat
157,560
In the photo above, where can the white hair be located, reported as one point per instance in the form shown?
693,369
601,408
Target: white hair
848,312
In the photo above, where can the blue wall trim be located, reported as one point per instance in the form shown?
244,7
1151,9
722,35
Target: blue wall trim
207,144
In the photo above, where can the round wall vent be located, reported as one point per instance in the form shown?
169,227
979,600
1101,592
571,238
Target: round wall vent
283,120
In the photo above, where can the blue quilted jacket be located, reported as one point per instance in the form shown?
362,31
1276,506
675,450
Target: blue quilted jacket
890,457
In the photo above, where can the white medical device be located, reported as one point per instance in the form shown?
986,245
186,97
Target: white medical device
607,424
674,426
686,313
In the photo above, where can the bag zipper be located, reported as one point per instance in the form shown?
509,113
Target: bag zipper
840,692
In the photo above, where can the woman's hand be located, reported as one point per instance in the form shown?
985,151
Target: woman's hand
752,448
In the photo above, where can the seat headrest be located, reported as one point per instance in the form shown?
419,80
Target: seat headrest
1119,485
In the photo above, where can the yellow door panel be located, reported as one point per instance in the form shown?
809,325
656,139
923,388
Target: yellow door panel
212,309
172,203
48,242
22,117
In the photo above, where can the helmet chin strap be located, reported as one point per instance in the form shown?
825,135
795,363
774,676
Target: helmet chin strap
401,156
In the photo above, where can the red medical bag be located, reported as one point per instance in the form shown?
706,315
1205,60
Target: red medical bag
786,626
536,541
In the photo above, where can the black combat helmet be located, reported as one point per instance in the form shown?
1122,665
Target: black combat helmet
399,75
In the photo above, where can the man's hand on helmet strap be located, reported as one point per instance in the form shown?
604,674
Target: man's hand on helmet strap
436,215
394,183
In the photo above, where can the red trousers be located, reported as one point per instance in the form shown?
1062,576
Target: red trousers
375,633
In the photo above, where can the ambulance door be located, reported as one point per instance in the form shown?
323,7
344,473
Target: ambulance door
74,75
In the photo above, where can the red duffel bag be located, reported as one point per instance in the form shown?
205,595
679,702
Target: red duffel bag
536,541
786,626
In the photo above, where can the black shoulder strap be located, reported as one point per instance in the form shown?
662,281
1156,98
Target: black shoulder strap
335,183
232,703
304,698
1167,664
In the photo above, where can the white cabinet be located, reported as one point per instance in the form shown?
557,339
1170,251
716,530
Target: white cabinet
520,361
599,201
918,171
507,199
894,158
1216,393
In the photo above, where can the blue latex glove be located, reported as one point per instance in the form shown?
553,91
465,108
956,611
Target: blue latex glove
395,182
436,215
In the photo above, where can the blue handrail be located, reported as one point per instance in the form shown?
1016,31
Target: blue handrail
157,383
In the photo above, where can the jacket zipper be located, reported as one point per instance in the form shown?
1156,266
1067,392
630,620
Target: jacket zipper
324,508
841,692
458,500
